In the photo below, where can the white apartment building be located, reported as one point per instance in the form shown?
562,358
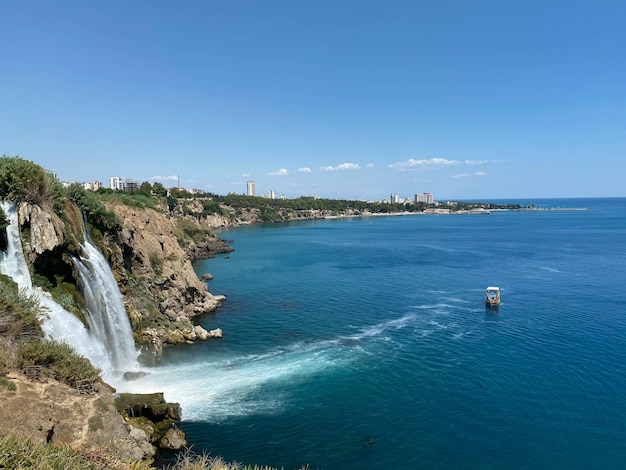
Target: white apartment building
250,188
119,184
92,185
428,198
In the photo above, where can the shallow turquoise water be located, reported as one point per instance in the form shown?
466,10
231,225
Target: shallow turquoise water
365,343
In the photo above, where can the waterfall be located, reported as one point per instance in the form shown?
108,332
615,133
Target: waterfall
58,323
106,313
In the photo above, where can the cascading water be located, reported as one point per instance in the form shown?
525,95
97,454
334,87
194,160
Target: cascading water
58,323
106,314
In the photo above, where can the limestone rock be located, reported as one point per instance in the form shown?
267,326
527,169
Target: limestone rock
46,229
216,333
174,439
140,438
55,413
201,333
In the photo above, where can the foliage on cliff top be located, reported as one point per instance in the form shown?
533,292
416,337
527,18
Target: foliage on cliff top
23,180
138,199
90,203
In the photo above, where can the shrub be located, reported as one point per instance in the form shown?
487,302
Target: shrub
91,203
156,262
58,360
22,180
18,311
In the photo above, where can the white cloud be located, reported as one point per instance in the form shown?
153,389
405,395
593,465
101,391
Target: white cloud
370,165
342,166
412,164
304,169
281,172
476,162
165,178
246,175
465,175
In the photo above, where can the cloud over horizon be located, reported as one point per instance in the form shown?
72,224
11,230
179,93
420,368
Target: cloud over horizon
281,172
432,163
304,169
165,178
465,175
342,166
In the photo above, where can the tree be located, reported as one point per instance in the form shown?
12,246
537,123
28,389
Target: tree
145,189
159,190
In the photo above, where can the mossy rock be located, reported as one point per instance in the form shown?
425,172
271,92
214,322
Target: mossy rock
151,406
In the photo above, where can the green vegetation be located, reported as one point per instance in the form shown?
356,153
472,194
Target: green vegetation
23,180
91,204
22,345
271,207
58,360
4,221
137,199
20,453
10,386
18,317
189,230
156,262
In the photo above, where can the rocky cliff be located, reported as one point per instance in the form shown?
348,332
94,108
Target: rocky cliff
150,253
151,257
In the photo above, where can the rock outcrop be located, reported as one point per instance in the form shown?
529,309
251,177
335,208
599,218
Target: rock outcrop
151,259
52,412
156,418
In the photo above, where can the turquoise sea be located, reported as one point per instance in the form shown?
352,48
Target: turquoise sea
365,343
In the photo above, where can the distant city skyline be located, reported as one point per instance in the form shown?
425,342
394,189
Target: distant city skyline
341,100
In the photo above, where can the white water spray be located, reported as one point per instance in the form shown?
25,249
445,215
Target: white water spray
57,323
106,314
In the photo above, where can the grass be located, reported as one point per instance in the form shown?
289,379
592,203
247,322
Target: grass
58,360
18,453
8,384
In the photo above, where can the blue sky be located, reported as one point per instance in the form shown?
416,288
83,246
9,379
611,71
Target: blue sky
343,99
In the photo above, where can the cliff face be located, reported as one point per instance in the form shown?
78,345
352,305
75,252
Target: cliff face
162,291
150,254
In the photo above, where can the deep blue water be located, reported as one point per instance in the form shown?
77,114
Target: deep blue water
365,343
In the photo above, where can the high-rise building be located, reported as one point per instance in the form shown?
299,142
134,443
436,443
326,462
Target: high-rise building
119,184
250,188
116,183
428,198
272,194
393,198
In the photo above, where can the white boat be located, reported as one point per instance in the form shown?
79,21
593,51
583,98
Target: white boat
492,296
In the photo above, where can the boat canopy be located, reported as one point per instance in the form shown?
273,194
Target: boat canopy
493,288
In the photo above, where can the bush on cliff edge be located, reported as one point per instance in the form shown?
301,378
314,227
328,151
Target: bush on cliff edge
23,180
